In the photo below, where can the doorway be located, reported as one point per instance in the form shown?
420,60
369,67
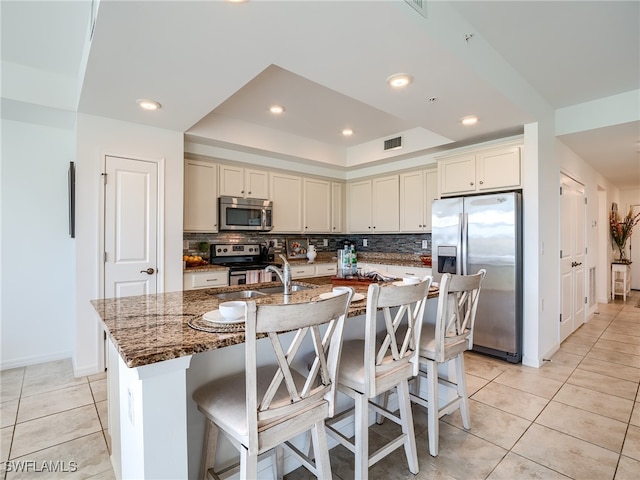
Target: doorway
573,298
130,227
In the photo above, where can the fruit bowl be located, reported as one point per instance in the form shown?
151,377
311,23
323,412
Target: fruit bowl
194,260
426,259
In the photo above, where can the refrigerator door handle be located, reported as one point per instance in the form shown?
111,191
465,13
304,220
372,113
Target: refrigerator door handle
463,242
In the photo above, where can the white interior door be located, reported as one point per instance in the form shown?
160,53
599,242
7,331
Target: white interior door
131,227
635,253
572,257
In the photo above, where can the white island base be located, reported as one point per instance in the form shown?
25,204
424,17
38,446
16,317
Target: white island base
156,429
148,418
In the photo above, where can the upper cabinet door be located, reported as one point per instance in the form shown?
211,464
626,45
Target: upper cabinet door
317,206
412,201
418,189
287,203
256,183
386,204
337,206
231,181
431,194
499,168
243,182
458,174
359,206
200,196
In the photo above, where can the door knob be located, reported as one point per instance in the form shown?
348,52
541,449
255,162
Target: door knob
148,271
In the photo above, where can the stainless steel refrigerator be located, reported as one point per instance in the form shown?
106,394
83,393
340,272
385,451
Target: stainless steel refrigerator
485,231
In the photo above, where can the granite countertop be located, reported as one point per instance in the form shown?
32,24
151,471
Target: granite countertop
148,329
399,259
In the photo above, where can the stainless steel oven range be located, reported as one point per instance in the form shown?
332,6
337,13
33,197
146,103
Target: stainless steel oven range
246,262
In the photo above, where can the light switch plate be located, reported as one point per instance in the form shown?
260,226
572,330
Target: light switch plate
365,242
425,243
325,242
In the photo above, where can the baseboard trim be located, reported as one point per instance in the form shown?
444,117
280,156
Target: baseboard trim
34,360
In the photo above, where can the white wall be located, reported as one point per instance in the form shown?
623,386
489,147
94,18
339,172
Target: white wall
37,254
97,137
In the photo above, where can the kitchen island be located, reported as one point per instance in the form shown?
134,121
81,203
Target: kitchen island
156,360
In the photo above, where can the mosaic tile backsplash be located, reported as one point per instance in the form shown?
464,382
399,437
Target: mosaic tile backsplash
392,243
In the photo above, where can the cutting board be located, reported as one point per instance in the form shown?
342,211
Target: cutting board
355,281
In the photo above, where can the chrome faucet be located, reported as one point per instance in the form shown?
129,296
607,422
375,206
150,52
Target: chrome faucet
284,274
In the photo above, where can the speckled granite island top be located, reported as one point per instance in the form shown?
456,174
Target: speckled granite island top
147,329
152,328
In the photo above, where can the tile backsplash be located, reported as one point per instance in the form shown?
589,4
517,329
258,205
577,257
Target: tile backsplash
405,243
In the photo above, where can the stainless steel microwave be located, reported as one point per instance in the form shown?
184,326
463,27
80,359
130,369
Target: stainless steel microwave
245,214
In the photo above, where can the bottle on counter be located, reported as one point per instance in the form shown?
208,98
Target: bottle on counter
354,260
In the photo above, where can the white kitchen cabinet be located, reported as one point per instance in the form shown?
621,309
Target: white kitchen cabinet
374,205
317,205
198,280
303,270
243,182
306,270
492,169
324,269
417,190
200,197
386,204
286,194
402,271
360,209
337,205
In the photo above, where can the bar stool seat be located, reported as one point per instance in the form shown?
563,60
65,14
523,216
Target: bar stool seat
260,410
371,367
444,341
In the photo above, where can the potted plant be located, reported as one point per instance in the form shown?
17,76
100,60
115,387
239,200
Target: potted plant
203,248
621,230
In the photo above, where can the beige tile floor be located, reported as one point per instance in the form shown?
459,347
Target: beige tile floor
54,422
576,417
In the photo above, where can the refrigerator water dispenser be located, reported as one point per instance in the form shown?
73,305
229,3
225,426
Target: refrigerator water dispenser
447,257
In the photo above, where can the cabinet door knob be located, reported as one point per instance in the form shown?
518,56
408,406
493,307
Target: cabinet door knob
249,193
241,191
471,183
481,182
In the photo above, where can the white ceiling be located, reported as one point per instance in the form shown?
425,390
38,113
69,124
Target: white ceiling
217,66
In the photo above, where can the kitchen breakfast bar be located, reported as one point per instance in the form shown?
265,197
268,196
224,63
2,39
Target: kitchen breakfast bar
159,352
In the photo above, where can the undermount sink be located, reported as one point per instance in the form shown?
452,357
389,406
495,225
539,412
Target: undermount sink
239,295
294,288
243,294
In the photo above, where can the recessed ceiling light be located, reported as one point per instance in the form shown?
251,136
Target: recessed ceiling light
148,104
470,120
399,80
276,109
347,132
